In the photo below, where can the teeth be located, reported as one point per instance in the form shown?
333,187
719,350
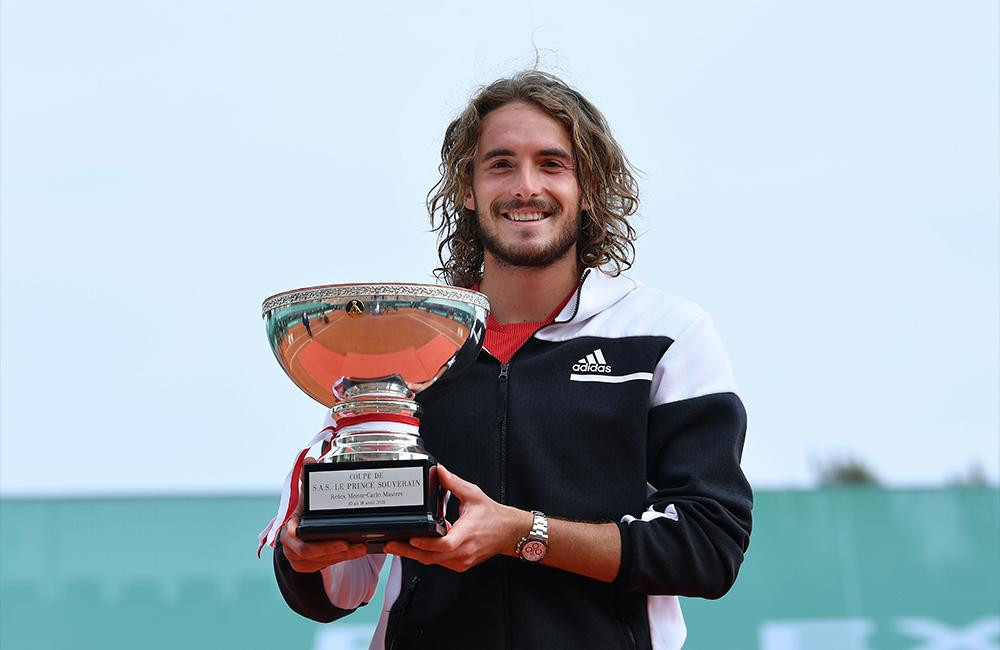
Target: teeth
527,216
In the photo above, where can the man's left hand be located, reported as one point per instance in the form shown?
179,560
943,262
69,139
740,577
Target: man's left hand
484,529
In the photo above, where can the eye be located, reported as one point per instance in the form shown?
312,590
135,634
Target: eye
500,164
553,164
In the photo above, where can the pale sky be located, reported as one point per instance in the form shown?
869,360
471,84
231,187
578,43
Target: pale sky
821,177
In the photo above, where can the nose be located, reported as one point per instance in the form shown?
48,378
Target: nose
528,183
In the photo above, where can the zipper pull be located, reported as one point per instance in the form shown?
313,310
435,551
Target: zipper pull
503,371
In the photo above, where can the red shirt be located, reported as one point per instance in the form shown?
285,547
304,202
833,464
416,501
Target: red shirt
504,339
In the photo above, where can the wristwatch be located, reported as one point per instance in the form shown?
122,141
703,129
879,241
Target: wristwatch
533,546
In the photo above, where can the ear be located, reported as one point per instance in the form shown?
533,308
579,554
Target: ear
470,200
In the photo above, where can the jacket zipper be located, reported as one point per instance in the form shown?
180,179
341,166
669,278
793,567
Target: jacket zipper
576,305
502,390
628,630
502,410
404,604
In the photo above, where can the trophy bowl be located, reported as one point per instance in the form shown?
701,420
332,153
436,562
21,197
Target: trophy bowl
365,351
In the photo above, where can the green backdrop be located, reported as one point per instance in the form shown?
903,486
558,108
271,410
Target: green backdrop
837,569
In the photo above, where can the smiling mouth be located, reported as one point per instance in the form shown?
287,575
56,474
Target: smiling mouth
524,216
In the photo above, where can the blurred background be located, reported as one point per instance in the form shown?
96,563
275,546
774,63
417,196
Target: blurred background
824,178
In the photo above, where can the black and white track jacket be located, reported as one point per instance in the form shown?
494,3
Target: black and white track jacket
624,409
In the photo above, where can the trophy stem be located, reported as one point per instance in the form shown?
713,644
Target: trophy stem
376,429
375,405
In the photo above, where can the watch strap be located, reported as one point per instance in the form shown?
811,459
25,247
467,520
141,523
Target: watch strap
539,533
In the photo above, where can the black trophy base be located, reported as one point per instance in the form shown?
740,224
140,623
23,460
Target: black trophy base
378,529
364,510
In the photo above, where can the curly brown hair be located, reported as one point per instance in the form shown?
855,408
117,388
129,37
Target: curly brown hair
603,172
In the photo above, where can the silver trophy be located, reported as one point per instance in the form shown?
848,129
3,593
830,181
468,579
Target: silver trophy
365,351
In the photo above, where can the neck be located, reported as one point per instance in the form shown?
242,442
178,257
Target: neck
521,294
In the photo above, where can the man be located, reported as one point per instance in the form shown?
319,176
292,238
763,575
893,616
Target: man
607,406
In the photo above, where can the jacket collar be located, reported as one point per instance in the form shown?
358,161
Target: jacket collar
597,291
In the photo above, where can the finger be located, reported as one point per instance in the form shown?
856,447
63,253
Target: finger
305,549
456,561
308,460
402,549
318,551
313,548
305,557
458,486
302,565
323,549
435,545
291,527
447,544
306,567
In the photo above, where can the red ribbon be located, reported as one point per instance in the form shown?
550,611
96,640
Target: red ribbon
351,420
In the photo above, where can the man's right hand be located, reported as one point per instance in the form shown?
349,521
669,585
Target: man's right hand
309,557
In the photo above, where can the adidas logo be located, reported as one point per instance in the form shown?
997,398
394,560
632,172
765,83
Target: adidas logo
593,362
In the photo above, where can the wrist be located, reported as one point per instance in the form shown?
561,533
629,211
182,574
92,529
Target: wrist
518,525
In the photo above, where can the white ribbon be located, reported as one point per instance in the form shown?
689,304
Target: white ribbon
270,532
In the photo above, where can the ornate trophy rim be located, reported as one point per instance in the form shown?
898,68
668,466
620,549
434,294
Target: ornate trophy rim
353,290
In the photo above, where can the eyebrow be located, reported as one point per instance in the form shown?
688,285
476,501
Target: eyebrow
557,152
497,153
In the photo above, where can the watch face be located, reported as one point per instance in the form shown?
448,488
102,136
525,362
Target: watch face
533,551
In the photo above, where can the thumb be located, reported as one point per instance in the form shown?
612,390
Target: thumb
308,460
458,486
